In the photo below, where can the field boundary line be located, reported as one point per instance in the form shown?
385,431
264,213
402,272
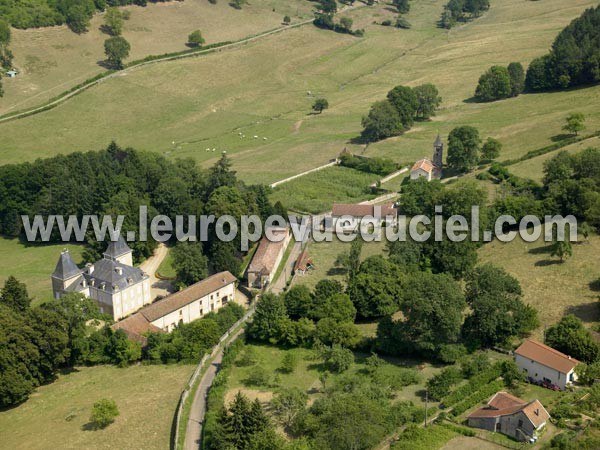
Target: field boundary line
298,175
148,60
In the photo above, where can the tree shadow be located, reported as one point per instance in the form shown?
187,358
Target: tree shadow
358,140
472,99
336,271
561,137
106,65
546,249
91,426
106,29
319,367
595,285
548,262
587,312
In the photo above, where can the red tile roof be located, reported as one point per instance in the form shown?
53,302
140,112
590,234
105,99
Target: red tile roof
267,253
547,356
424,164
362,210
135,326
190,294
504,404
303,261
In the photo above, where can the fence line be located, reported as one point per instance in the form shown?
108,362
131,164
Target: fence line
199,369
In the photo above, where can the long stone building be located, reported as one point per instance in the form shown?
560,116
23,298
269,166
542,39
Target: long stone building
185,306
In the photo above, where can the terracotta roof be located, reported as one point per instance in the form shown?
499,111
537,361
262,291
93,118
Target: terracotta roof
266,255
504,404
503,400
547,356
303,261
190,294
134,326
424,164
362,210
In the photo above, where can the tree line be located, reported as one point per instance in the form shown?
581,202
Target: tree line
573,59
37,342
116,181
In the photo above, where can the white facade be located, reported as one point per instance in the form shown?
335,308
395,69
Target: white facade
196,309
540,372
420,173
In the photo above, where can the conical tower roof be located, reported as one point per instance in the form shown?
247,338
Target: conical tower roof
65,267
117,248
438,141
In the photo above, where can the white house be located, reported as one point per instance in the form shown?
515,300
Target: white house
113,283
545,364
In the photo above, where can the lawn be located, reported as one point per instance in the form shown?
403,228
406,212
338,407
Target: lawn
316,192
33,265
51,60
324,255
554,289
166,267
56,414
266,88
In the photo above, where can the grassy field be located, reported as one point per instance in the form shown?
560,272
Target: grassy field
50,60
317,191
306,374
265,93
324,255
554,289
534,168
33,265
55,416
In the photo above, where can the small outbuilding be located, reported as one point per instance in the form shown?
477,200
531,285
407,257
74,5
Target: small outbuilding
11,73
511,416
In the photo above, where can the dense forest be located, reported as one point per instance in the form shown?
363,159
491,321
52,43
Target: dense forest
117,181
574,59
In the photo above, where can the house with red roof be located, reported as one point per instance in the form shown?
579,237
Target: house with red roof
510,415
543,364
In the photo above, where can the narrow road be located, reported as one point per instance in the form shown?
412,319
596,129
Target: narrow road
198,410
151,265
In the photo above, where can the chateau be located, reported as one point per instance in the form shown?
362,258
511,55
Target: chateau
427,168
117,287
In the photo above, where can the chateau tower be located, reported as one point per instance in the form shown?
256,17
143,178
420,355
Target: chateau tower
438,152
119,251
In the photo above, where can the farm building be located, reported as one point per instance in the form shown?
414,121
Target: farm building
430,169
347,216
511,416
544,364
303,264
267,258
11,73
184,306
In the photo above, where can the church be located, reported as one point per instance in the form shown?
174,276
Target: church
427,168
113,282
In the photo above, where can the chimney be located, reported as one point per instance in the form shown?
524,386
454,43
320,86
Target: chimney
90,268
569,356
537,412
